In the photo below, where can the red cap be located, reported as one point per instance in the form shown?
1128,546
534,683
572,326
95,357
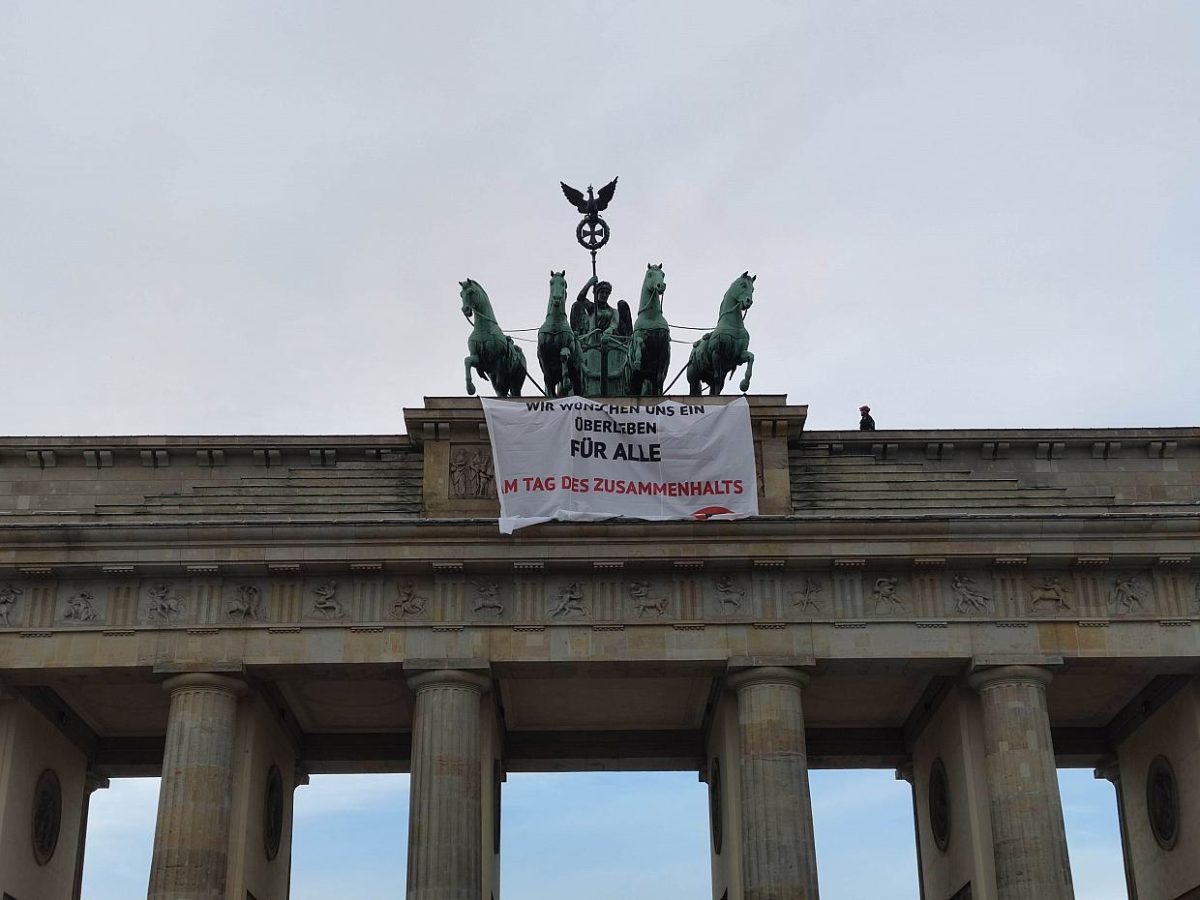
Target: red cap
864,409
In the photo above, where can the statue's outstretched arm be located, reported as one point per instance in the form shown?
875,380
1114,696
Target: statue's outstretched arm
583,294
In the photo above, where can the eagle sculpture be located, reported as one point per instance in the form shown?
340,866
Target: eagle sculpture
593,204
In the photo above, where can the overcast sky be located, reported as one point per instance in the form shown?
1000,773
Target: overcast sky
252,217
231,217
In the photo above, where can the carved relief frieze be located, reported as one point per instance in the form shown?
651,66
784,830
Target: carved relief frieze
410,600
471,474
809,596
326,603
647,598
81,607
162,603
81,604
971,596
725,595
568,599
1049,594
887,598
10,598
487,596
1129,594
245,604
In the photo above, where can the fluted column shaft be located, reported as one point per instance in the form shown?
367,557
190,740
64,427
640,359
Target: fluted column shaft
779,859
1028,836
444,826
191,836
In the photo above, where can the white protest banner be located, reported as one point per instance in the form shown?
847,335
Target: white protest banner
579,460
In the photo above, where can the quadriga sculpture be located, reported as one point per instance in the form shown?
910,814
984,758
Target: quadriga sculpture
716,355
557,346
492,353
650,354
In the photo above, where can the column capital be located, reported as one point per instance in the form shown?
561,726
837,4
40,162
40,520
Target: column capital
745,678
981,679
203,681
459,678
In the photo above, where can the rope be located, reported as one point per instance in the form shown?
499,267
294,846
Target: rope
667,389
536,385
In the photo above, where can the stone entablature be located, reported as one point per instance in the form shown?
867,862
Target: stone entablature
844,591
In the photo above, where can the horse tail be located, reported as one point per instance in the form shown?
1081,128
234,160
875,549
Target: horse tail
516,369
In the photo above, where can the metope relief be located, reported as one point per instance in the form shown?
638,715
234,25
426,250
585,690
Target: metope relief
568,600
408,602
807,598
9,597
246,603
1048,593
326,603
471,474
163,603
81,607
728,594
886,598
647,598
969,597
81,604
486,596
1128,595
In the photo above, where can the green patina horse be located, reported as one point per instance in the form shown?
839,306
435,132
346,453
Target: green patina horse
492,353
716,355
650,355
557,347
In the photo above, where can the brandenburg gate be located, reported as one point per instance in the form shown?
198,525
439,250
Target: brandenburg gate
971,608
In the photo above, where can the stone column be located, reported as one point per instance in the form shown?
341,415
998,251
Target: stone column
1028,836
91,783
191,836
444,827
779,860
